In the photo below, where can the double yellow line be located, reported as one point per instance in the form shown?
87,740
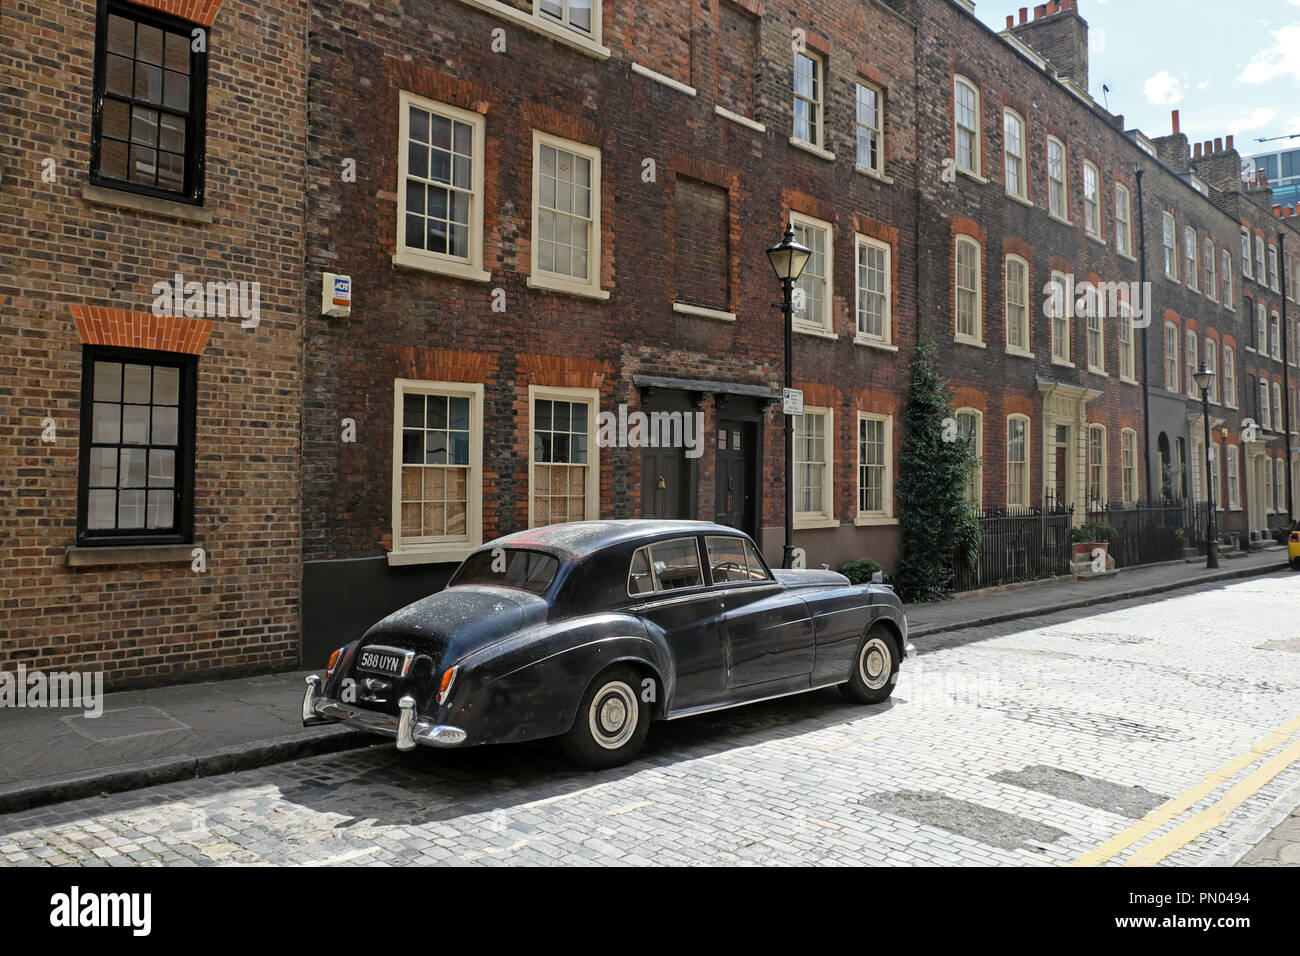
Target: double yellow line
1211,816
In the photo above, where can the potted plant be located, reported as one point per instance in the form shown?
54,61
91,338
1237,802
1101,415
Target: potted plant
1090,537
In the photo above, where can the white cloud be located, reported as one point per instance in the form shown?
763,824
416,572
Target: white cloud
1280,59
1164,89
1260,116
1097,40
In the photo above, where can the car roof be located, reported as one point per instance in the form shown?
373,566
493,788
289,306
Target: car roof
578,539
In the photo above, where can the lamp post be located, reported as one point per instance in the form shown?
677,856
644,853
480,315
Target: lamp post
788,259
1204,378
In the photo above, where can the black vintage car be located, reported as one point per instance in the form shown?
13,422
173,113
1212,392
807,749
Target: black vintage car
588,631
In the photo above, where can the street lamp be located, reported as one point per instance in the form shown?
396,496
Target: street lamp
788,259
1204,378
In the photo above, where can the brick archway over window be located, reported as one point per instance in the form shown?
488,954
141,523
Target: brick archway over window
140,330
202,12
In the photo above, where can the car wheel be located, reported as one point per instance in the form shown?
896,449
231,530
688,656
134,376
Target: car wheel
611,724
875,668
1295,564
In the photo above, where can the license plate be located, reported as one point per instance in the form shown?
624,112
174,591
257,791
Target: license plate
391,661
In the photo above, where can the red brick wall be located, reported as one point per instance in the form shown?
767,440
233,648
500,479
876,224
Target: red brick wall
84,272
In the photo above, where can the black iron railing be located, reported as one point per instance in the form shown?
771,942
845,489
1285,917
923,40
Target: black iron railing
1019,546
1147,531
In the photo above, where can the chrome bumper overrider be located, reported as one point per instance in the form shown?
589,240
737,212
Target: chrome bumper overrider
408,728
909,651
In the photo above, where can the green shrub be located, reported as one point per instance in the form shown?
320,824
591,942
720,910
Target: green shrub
861,570
1093,531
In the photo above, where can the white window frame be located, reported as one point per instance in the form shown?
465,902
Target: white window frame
1272,268
1173,359
550,281
1123,220
1247,268
885,516
976,159
591,398
867,338
551,21
1103,467
1025,306
825,323
1128,447
978,307
1229,297
878,132
1025,484
1127,346
1192,356
1209,260
1261,328
1096,329
826,517
1210,356
1191,258
1169,236
1062,356
1058,191
1234,478
978,467
818,101
445,550
1092,205
1229,376
1275,336
1266,464
1261,275
1010,159
470,267
1279,420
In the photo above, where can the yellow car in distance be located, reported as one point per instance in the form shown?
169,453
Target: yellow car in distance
1293,546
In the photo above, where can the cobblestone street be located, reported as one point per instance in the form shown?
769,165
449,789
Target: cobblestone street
1145,732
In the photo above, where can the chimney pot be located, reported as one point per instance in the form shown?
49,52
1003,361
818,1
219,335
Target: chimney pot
1053,7
1011,21
1229,141
1209,148
1024,14
1040,11
1218,144
1176,124
1196,151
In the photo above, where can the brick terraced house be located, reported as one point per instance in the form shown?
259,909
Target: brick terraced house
151,249
561,210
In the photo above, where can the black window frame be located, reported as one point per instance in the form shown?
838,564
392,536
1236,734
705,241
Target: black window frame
195,128
183,476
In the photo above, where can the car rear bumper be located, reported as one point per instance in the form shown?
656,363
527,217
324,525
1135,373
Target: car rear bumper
408,729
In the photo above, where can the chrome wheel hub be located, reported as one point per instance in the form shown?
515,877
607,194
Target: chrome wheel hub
613,715
875,663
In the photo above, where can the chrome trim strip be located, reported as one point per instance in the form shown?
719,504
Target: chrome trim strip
421,731
669,602
744,703
407,657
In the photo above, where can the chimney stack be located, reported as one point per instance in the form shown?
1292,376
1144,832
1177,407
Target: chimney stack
1040,11
1059,35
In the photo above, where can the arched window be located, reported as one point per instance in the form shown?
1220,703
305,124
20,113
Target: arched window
1018,461
970,429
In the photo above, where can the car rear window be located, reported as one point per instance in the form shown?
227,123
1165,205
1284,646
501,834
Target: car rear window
734,559
508,568
666,566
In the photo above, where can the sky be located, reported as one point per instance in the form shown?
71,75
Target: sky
1228,67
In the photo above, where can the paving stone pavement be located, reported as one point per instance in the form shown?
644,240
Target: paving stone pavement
1032,742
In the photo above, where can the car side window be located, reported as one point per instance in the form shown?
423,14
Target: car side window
727,561
757,569
666,566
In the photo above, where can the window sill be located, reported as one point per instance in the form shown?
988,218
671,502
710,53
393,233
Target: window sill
101,196
455,270
84,557
1093,370
1023,200
1129,381
815,150
567,288
973,343
872,173
875,344
745,121
1126,255
667,81
435,554
1062,362
1055,218
875,521
971,174
1169,278
560,34
1098,240
701,312
1019,353
812,523
815,332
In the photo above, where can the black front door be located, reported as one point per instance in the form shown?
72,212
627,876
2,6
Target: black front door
665,484
735,504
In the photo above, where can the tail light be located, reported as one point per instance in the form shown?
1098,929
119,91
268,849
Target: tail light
1295,536
334,659
444,688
